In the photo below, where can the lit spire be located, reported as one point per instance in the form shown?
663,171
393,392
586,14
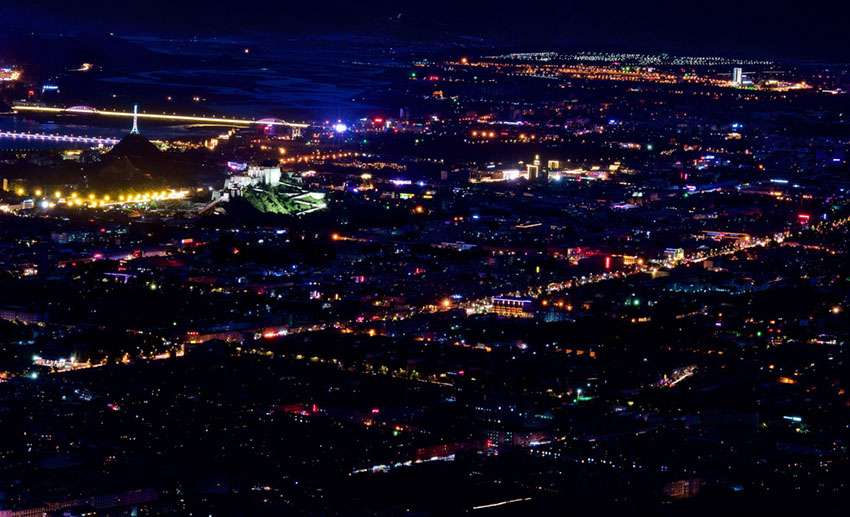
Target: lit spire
135,130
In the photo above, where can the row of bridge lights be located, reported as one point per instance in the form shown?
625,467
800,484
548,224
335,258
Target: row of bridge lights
49,136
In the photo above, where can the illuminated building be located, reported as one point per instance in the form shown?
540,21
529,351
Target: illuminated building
17,314
683,488
737,76
720,235
9,74
512,307
511,174
534,169
674,254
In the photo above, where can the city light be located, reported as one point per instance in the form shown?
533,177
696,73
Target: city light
487,280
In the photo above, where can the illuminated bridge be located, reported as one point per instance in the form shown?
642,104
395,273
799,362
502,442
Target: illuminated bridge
88,110
58,138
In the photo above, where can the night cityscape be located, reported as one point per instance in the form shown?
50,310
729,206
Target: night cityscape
455,258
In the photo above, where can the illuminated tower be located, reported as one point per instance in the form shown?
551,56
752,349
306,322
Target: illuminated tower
135,130
737,76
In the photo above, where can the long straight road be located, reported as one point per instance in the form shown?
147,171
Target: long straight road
225,121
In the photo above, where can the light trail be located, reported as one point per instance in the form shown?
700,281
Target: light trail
157,116
501,503
59,138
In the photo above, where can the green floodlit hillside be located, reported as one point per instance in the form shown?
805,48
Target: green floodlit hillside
284,199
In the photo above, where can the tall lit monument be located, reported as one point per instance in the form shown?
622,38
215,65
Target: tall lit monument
135,130
134,144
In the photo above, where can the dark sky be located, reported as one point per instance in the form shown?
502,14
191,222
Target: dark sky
812,29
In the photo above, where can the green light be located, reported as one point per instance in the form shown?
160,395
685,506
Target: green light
395,433
758,334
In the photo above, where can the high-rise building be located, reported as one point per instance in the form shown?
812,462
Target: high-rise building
737,76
